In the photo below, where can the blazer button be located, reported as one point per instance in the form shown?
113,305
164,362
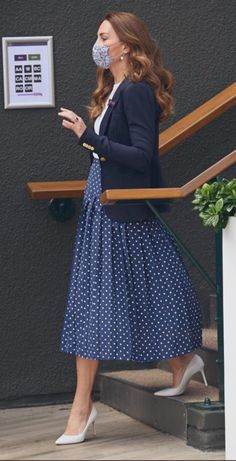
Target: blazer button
102,159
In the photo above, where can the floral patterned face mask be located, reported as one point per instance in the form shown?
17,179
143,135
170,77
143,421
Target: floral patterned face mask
101,56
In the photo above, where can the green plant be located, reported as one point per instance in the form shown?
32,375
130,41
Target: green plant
216,202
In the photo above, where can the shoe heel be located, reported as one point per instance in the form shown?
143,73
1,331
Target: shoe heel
94,429
204,376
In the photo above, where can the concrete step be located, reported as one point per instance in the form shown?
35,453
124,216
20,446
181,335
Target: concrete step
208,352
132,392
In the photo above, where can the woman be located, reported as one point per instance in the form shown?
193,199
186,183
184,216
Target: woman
130,296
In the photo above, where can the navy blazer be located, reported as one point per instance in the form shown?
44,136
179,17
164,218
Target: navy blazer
127,148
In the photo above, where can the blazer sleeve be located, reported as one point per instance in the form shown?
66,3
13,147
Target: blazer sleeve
140,110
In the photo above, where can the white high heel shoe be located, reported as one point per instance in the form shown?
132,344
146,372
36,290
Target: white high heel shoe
65,439
196,364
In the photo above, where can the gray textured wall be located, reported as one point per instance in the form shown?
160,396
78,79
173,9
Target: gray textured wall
196,40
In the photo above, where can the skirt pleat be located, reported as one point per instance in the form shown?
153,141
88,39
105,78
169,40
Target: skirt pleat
130,296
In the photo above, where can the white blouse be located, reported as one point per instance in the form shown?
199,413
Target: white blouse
99,118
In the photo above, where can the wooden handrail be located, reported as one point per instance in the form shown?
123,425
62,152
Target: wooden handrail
59,189
56,189
168,139
197,119
110,196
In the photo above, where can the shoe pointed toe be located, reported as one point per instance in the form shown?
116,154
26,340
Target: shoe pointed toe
60,440
168,392
66,439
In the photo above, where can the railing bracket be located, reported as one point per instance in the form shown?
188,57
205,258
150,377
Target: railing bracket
61,209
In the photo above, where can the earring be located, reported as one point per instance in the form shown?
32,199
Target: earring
122,57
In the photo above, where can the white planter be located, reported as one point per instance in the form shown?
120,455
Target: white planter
229,319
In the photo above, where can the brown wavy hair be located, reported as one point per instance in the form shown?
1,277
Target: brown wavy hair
144,61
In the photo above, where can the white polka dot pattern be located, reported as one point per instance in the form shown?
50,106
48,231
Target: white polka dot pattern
130,296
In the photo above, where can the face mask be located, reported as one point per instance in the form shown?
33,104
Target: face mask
101,56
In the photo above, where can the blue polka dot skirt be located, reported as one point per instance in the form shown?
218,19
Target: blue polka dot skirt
130,296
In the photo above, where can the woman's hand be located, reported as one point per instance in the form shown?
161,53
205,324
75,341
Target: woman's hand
73,122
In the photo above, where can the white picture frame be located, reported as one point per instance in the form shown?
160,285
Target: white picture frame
28,72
